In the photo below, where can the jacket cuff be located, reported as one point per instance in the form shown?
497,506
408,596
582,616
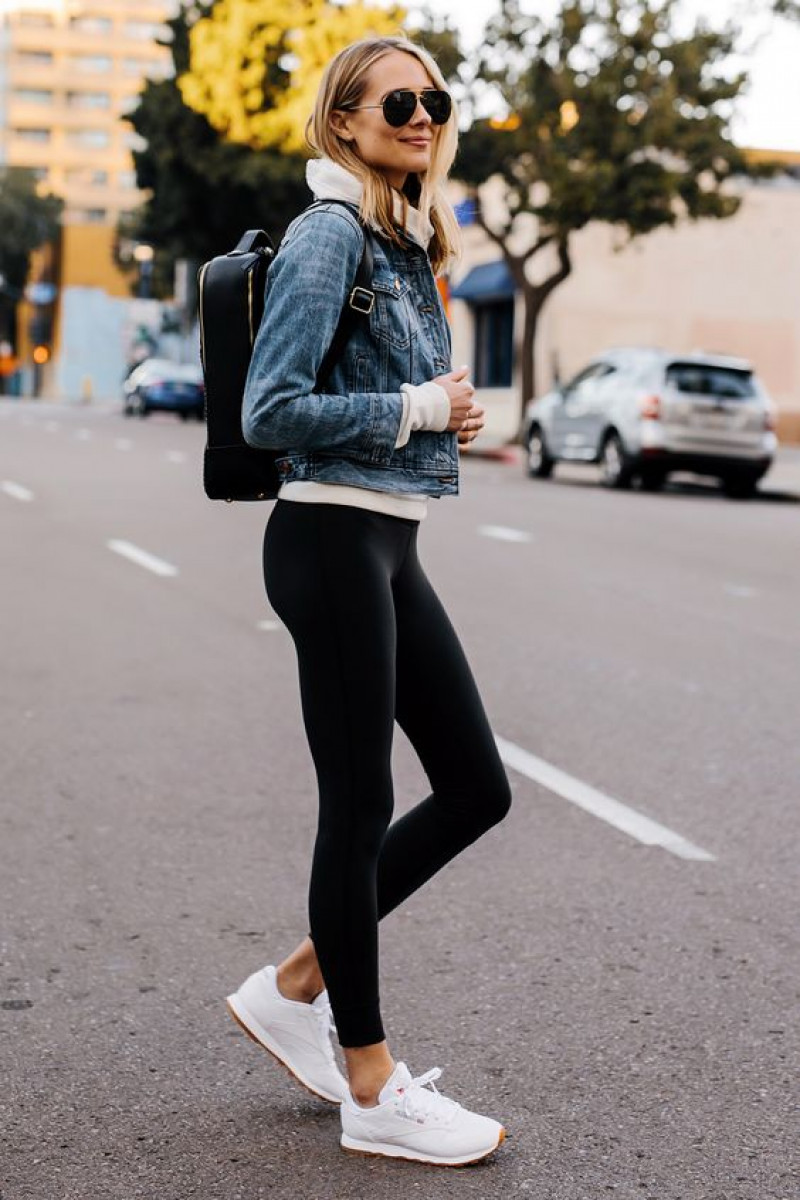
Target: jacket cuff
425,406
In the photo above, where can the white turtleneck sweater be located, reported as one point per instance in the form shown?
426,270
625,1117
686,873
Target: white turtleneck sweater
425,406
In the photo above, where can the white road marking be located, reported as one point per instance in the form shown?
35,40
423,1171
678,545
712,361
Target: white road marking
627,820
740,590
176,456
15,490
123,443
142,558
503,533
51,426
84,435
269,626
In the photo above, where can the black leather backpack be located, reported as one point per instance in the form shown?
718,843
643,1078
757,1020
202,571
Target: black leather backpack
231,304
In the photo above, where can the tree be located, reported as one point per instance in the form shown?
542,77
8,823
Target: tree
27,221
612,116
255,65
204,191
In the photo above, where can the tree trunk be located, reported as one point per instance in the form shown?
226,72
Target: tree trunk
533,305
535,298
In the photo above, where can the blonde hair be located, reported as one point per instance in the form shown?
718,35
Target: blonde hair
342,86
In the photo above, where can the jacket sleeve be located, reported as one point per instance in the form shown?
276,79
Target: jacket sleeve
307,286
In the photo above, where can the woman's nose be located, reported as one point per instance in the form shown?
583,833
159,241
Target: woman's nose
421,115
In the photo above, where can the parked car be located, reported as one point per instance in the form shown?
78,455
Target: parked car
159,385
642,413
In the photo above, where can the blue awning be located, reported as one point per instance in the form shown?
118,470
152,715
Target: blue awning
489,281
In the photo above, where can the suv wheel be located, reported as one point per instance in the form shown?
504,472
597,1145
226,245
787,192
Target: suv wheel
652,479
740,486
614,465
539,463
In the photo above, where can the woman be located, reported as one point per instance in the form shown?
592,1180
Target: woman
360,461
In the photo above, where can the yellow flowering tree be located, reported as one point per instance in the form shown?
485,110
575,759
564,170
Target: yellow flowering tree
255,65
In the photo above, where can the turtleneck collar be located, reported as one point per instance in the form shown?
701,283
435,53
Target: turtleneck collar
329,181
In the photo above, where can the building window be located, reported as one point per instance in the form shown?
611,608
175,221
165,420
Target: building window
88,100
89,216
134,66
126,179
35,20
33,96
86,177
134,141
494,343
92,64
94,139
40,136
142,31
34,58
88,24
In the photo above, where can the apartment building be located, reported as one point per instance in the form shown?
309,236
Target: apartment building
70,70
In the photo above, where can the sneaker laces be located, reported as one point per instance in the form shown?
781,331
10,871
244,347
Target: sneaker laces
421,1099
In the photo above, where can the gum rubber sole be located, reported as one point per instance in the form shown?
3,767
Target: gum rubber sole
365,1151
277,1058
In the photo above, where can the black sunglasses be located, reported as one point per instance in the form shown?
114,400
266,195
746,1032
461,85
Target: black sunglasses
399,106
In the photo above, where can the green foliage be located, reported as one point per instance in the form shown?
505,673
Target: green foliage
619,119
27,221
613,117
440,38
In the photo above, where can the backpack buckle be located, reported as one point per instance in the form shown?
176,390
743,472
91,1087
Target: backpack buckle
362,300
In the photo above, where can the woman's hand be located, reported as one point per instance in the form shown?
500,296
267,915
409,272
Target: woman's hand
466,417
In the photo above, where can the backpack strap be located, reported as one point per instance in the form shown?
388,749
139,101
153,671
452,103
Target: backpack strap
360,301
253,239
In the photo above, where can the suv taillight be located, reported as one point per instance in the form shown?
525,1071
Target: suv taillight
770,423
650,408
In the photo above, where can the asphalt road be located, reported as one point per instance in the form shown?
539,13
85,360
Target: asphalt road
625,1002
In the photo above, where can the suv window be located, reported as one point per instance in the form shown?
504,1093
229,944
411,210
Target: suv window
594,371
698,379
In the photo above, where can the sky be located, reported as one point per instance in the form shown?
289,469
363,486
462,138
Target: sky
768,116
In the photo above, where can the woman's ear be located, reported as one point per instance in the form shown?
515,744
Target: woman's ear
339,125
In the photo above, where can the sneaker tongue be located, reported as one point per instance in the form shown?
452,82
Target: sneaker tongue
397,1083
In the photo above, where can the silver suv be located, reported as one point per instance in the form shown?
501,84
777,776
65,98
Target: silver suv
641,413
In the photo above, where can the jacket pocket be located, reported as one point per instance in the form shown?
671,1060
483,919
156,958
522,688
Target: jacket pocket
391,316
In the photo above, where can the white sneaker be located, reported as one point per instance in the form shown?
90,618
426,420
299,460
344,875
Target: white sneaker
298,1035
413,1120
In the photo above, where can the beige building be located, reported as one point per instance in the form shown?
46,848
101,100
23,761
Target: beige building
69,72
729,286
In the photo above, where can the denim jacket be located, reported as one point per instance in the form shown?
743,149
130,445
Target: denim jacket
346,433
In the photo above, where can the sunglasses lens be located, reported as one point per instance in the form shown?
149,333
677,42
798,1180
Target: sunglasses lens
398,108
437,105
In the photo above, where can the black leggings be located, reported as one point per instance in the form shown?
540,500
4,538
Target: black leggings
374,645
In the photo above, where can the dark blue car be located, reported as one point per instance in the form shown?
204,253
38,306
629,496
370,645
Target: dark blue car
158,385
